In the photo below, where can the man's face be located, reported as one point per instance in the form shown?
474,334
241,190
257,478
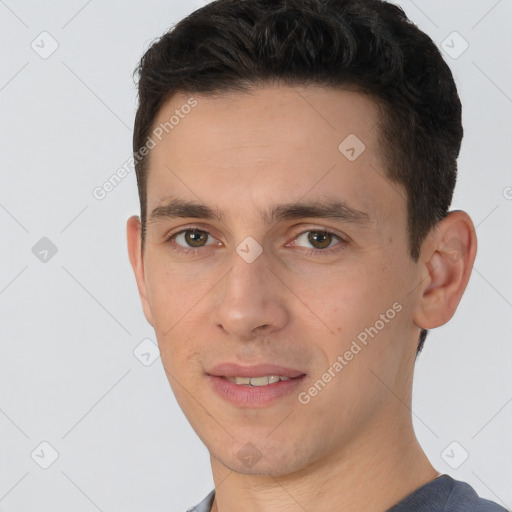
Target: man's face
268,288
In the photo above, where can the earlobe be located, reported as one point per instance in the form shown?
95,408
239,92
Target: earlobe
448,256
133,235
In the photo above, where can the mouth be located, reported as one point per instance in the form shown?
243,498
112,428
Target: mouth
253,386
257,381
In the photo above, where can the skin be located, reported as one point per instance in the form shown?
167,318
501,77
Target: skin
352,447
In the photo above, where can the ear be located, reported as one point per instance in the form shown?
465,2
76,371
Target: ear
133,235
447,259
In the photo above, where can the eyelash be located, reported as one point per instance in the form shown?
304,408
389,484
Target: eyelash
310,252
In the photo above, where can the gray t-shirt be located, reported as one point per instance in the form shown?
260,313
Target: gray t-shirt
444,494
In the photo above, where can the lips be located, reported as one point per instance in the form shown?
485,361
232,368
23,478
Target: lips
253,386
231,370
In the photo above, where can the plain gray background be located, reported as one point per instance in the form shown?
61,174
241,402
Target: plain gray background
71,321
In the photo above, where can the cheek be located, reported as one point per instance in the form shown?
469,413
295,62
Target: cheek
354,304
345,297
173,299
172,291
180,352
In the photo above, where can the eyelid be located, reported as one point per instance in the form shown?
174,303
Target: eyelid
192,227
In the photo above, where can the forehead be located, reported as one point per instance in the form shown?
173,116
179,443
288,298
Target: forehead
288,115
268,146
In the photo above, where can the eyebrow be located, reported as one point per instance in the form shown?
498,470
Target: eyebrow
332,209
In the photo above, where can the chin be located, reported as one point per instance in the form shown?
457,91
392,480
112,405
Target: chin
268,461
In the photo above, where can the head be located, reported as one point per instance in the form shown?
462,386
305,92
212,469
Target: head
295,163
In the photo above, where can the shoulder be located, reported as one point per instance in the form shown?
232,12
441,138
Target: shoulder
444,494
464,498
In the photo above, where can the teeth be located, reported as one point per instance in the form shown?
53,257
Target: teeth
257,381
241,380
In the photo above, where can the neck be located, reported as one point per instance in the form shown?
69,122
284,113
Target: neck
375,472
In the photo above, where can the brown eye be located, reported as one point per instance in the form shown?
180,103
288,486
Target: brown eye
196,238
191,238
319,239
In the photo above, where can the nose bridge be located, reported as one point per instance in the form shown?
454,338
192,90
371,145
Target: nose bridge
250,297
249,266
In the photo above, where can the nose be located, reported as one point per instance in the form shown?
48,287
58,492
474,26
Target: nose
251,300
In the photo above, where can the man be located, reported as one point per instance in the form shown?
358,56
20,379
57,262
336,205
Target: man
296,162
